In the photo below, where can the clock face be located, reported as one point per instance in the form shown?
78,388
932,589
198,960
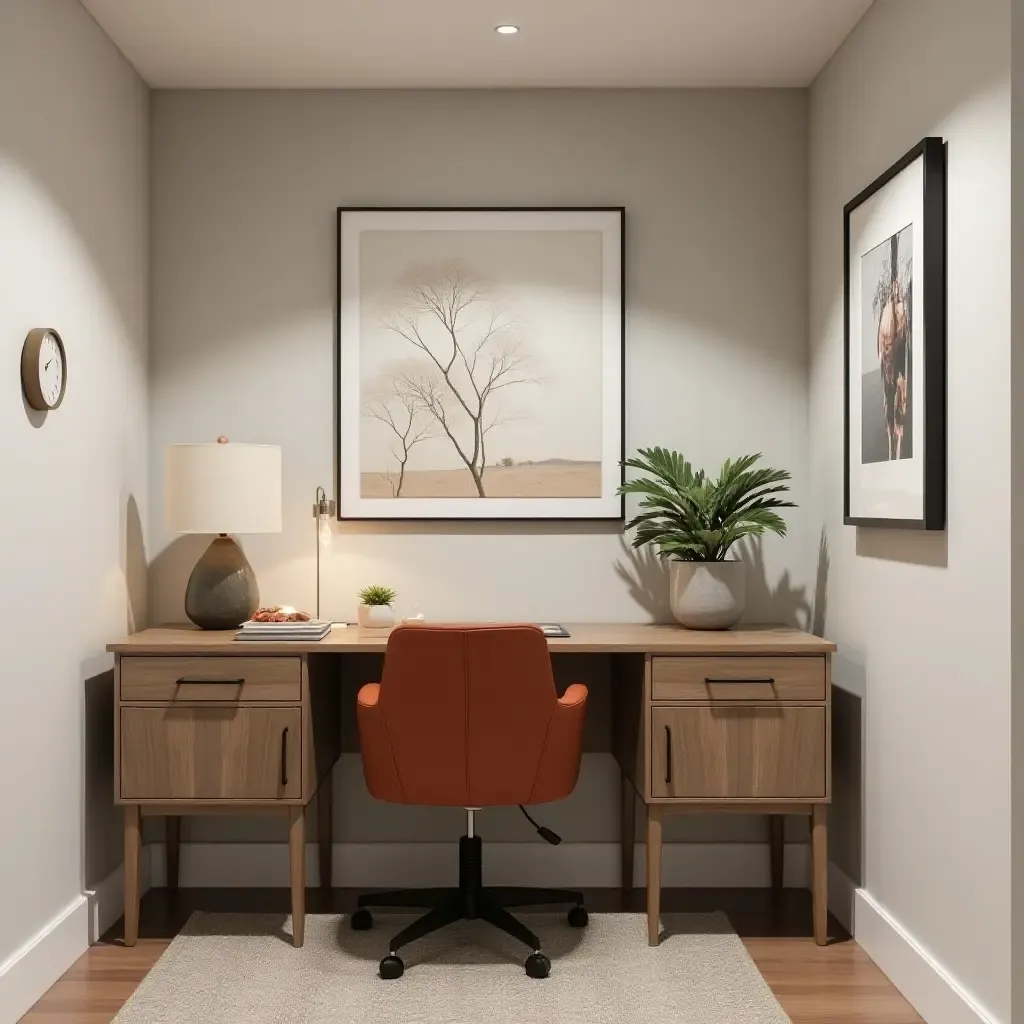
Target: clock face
51,370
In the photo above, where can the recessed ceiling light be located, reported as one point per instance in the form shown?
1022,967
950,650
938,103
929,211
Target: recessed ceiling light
506,30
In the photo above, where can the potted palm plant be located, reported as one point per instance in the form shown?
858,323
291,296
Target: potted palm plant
376,607
693,521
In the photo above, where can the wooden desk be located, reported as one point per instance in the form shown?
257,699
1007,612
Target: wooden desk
715,722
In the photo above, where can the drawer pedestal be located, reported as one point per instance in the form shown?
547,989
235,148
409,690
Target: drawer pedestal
742,734
224,734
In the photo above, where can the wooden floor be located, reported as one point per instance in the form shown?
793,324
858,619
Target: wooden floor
837,984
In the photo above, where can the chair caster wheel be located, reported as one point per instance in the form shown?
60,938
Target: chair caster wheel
578,917
391,967
361,920
538,965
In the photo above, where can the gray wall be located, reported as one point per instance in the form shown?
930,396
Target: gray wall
245,187
922,703
73,256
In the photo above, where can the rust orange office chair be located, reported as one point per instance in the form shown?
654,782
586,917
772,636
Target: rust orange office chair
468,716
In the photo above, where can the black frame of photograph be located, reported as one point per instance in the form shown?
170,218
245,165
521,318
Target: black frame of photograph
620,517
933,313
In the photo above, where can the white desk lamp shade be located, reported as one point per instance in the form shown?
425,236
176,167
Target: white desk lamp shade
223,488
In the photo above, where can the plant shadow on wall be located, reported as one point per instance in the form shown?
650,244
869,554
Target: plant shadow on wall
820,608
784,602
646,575
781,601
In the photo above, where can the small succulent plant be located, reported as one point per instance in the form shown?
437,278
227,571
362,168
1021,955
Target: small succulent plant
377,595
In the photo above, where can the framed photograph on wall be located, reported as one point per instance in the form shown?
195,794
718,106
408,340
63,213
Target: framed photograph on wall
895,345
480,363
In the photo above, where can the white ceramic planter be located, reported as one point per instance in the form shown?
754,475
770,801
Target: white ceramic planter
707,595
376,616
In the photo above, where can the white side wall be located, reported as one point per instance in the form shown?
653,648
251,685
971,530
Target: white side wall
923,622
73,256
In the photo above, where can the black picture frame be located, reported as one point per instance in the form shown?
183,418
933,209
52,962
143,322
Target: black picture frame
620,515
931,307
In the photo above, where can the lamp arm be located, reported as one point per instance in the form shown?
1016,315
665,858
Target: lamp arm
322,508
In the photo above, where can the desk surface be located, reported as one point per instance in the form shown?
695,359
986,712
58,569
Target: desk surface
587,637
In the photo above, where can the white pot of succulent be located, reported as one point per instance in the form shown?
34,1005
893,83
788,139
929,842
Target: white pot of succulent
376,607
693,522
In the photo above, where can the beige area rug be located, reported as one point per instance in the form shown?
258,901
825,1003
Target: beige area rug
232,968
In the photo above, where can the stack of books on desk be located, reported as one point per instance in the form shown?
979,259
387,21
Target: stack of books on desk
312,630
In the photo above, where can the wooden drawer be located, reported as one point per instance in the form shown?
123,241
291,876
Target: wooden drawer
738,678
211,753
200,679
730,752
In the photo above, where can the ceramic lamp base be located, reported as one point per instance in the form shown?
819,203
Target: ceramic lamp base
222,591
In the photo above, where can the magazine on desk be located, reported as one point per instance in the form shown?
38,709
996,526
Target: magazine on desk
312,630
553,629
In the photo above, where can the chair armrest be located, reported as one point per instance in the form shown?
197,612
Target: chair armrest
379,768
368,695
560,761
575,694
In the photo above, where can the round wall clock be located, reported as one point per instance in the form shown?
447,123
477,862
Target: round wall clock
44,375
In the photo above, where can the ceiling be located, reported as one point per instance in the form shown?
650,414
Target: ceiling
452,43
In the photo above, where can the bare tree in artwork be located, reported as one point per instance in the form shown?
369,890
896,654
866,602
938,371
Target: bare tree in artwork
402,411
474,354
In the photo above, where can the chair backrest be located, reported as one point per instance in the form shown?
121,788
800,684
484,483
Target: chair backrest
467,711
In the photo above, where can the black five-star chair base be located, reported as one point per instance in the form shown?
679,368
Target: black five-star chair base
470,901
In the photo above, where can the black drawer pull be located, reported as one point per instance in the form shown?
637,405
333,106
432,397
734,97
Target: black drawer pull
209,682
752,679
284,756
668,756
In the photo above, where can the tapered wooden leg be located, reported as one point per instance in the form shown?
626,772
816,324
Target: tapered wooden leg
324,829
132,854
653,875
819,872
297,858
627,833
173,845
776,847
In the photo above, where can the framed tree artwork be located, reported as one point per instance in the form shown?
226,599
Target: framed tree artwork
480,363
895,345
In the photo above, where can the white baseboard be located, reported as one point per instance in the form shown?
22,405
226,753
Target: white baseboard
29,971
926,984
375,865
